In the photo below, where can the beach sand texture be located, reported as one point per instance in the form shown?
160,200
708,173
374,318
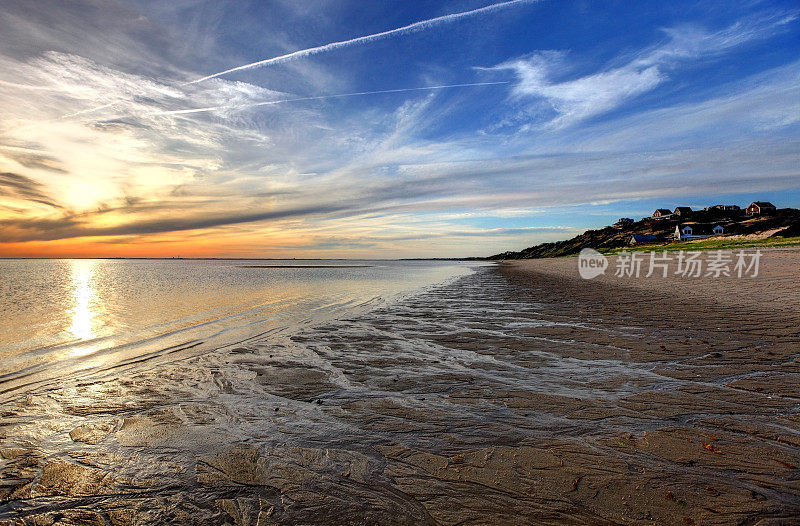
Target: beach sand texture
520,394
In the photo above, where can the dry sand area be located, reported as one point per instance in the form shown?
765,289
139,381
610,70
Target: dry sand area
518,395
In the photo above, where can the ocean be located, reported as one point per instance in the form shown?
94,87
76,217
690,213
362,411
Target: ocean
60,317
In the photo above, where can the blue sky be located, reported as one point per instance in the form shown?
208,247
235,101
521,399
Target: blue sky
523,121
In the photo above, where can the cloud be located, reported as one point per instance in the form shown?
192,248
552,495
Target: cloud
755,109
24,188
36,160
688,41
233,107
578,99
106,157
584,97
15,230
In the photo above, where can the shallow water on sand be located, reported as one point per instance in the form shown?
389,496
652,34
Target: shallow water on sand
58,317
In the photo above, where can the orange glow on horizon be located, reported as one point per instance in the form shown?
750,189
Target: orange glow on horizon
208,245
115,247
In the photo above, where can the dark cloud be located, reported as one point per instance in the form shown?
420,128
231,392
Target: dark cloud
485,233
331,243
25,188
119,125
106,32
15,230
36,160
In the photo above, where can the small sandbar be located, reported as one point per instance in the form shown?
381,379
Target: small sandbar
304,266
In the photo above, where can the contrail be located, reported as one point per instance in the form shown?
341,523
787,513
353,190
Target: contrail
90,110
411,28
27,86
319,97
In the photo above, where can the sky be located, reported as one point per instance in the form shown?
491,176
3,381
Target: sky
382,129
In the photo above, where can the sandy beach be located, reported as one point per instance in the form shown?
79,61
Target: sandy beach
519,394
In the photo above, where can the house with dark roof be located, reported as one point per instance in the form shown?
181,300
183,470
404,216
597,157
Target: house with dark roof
725,208
623,222
760,208
683,211
689,231
662,213
638,239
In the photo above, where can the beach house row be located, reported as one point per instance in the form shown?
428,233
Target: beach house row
664,213
756,208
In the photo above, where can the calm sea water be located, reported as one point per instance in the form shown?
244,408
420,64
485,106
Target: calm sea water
62,317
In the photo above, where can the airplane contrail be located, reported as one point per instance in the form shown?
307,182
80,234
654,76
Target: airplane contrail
320,97
27,86
90,110
410,28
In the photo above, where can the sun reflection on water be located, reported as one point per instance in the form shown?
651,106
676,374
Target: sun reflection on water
84,298
83,293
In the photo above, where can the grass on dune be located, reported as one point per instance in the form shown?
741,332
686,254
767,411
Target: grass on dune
716,243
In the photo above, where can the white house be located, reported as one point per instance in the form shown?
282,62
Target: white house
689,231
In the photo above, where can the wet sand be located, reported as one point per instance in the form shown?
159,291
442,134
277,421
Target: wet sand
521,394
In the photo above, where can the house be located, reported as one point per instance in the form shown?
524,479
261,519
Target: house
638,239
683,211
759,208
662,213
689,231
623,222
723,211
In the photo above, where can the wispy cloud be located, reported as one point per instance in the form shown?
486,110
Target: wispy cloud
584,97
80,226
690,41
233,107
18,186
36,161
577,99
